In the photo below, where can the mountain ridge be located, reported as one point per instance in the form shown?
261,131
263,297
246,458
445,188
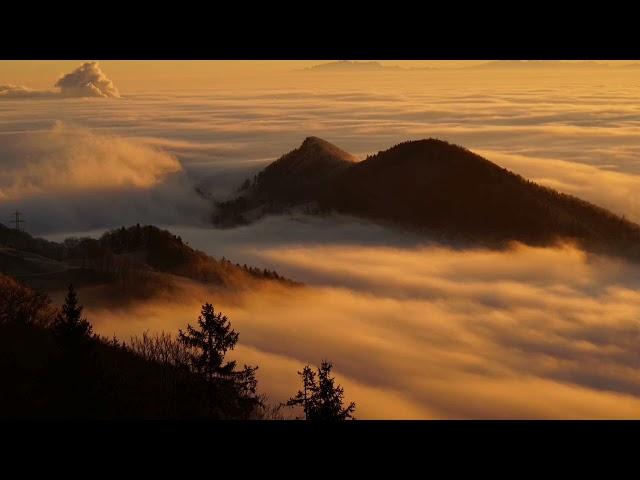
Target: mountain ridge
351,66
125,257
443,190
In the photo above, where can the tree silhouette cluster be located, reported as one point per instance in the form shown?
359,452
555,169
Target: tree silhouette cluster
162,251
320,398
52,364
132,259
22,305
256,272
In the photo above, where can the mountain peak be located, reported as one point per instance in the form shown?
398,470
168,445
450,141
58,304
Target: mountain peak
321,149
313,140
297,176
436,187
313,159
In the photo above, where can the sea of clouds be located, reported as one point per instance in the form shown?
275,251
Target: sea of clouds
428,332
572,132
416,330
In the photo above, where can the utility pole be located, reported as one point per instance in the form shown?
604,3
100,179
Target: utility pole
17,220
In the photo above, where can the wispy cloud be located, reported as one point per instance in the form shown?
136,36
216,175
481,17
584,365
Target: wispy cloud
69,177
65,159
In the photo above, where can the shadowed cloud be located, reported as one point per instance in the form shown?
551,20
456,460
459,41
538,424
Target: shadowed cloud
430,328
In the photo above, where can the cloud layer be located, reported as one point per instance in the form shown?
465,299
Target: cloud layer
67,159
88,80
415,331
19,91
428,332
70,177
543,127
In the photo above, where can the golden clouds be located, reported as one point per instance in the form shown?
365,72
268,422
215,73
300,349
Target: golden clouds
68,159
437,333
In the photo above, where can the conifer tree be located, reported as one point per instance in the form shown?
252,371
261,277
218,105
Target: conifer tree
69,324
73,371
306,396
208,344
329,397
320,398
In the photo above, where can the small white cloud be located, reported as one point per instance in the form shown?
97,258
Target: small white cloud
88,80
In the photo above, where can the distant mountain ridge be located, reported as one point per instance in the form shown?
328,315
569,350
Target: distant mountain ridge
350,66
134,257
443,190
547,64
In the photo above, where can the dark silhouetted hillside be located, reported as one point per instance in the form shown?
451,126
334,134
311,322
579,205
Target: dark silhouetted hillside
133,258
448,192
165,252
43,375
19,240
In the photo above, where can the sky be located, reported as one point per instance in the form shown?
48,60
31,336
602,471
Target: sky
414,329
184,74
189,74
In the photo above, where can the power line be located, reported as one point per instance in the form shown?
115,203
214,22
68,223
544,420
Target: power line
17,220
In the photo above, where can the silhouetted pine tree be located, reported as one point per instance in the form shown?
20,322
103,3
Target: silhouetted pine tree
330,397
321,399
306,396
69,325
208,344
73,373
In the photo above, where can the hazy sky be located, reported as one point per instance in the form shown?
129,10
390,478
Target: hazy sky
132,75
171,74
